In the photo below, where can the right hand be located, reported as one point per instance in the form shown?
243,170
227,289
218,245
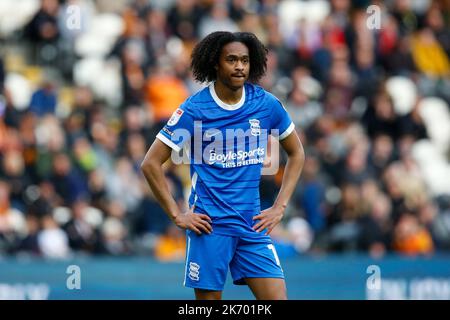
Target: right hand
196,222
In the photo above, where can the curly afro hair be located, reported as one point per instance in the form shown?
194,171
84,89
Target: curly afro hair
206,53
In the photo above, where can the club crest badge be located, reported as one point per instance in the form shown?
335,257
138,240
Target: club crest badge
255,128
194,271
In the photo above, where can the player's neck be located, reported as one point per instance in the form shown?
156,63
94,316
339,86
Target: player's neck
227,94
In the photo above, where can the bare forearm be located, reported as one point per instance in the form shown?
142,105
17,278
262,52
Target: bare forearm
156,179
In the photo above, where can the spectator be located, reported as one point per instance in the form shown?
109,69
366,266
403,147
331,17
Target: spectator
43,100
106,147
29,243
303,111
312,196
381,118
376,227
405,16
171,246
46,201
440,227
136,150
43,32
425,45
157,33
133,76
68,183
84,156
114,237
217,19
340,86
52,240
123,185
43,27
13,171
400,61
238,8
434,71
365,181
164,92
356,169
332,41
410,237
381,154
133,124
411,124
83,105
97,189
149,217
12,222
435,20
81,234
306,39
183,18
2,75
10,115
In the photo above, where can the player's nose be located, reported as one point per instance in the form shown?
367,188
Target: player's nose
239,66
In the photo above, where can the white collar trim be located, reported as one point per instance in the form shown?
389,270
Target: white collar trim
224,105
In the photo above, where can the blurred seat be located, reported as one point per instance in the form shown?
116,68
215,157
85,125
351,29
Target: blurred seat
15,14
98,40
20,89
436,117
106,83
108,25
403,92
434,167
293,10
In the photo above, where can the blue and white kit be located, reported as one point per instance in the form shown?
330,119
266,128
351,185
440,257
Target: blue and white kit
227,145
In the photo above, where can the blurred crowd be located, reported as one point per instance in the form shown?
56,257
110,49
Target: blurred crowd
70,151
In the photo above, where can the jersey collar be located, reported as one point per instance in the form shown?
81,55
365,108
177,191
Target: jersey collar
224,105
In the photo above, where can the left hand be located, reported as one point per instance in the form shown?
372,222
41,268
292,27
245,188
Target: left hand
269,218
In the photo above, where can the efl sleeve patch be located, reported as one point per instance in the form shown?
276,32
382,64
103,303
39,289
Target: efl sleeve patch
175,117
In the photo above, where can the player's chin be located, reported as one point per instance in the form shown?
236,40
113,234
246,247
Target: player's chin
237,82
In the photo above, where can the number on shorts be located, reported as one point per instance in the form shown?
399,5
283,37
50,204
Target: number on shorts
271,247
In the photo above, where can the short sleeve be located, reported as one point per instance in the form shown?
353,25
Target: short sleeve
178,130
280,120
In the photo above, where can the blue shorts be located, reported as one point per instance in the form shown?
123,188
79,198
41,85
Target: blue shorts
208,257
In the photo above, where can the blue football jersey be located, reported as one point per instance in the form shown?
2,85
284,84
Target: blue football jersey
226,145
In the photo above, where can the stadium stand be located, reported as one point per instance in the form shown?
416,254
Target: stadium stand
86,85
